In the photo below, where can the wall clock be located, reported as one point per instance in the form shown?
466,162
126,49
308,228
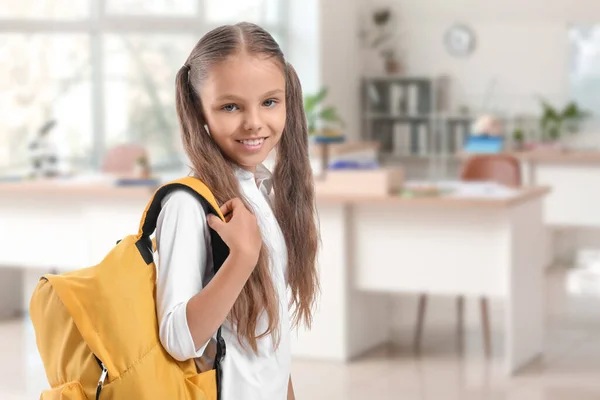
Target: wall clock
459,40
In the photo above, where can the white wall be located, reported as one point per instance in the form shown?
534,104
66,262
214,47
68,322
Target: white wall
324,50
303,42
522,44
340,59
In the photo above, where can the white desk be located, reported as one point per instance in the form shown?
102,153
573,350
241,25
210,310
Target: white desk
571,209
573,178
450,246
370,245
49,226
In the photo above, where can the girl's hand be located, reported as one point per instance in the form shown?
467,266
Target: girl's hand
240,233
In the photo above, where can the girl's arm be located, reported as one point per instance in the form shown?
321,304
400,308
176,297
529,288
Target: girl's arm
183,244
207,310
190,312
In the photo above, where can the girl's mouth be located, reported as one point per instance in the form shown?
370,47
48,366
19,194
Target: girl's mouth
252,144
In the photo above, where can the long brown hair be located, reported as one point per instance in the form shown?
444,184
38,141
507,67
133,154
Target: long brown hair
292,178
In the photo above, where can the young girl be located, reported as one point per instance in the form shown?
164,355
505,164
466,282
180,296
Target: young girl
238,99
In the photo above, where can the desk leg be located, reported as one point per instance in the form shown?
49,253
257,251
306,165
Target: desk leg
525,307
327,337
529,172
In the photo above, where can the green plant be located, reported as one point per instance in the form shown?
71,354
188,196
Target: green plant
554,122
518,135
143,161
319,117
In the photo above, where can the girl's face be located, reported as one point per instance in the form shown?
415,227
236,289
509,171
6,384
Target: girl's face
243,100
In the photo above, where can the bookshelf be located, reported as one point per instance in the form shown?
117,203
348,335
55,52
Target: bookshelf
403,114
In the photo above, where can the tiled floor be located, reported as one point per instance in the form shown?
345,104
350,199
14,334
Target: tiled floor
569,369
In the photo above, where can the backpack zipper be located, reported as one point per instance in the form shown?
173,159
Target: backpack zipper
102,379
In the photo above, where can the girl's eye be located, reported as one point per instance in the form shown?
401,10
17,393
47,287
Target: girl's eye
270,103
229,107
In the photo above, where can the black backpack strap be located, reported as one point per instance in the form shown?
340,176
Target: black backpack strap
220,254
219,249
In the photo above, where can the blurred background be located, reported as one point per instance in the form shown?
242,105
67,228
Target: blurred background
456,153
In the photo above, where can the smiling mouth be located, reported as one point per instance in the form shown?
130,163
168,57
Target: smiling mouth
252,145
252,142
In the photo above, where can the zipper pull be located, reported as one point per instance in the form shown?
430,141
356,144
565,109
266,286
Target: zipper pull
102,379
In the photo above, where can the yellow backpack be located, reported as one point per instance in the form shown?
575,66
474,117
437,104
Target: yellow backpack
97,331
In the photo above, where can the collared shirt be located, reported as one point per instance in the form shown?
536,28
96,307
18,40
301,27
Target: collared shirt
184,267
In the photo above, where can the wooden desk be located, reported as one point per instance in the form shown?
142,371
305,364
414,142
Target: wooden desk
371,246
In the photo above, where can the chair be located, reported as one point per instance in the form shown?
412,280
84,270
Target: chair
500,168
122,159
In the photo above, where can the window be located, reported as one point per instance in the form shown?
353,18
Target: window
585,63
152,7
104,71
139,80
260,11
44,78
44,9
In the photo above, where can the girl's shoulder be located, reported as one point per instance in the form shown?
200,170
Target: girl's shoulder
182,203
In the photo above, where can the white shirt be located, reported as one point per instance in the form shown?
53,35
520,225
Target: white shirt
184,266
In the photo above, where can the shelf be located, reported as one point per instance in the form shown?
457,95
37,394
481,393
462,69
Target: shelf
398,79
401,113
420,117
387,157
457,118
398,117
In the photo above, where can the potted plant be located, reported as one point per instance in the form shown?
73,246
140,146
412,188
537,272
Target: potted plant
518,139
324,126
555,123
322,120
379,34
142,167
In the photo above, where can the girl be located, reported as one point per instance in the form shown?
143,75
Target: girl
238,99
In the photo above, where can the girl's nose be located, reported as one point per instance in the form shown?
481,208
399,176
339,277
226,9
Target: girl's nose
252,122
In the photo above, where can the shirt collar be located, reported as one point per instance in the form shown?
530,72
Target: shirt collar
262,177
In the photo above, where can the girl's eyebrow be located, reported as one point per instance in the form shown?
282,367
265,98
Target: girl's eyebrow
237,98
273,92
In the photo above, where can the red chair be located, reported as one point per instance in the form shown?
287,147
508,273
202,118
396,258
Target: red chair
122,159
501,168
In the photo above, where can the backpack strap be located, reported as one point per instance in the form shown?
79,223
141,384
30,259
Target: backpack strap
220,250
193,185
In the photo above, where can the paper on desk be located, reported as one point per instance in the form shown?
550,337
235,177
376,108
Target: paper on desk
478,190
486,190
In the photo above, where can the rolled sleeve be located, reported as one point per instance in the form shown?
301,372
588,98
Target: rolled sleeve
175,335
